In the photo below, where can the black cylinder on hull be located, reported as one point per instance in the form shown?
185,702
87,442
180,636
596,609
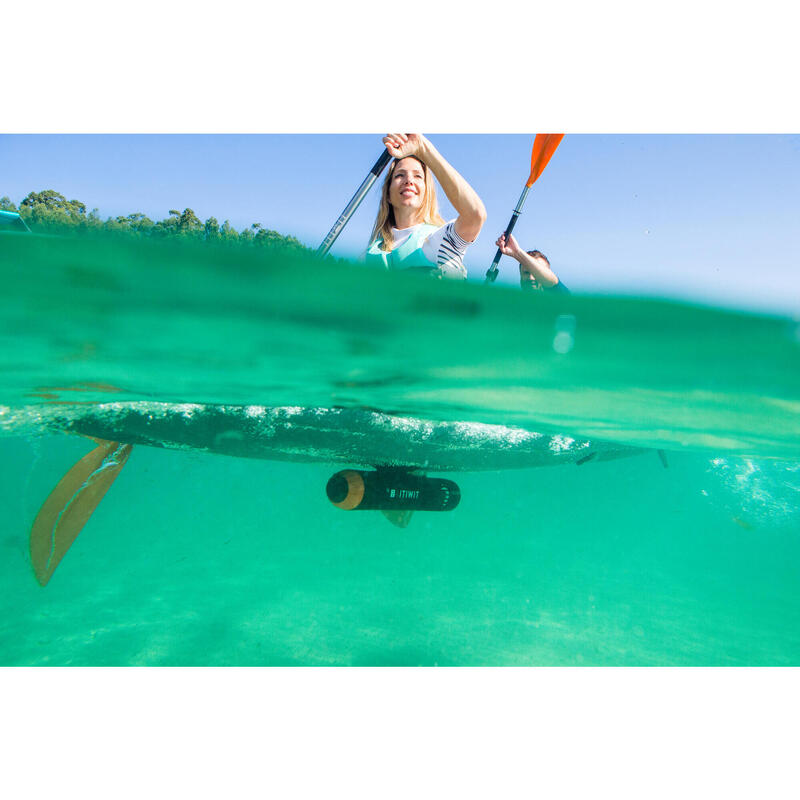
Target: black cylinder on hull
386,490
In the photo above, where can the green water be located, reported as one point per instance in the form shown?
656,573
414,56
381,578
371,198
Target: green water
201,559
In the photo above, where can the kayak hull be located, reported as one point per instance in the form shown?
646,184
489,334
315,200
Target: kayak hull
339,436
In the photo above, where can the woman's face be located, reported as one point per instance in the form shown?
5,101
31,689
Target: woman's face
407,187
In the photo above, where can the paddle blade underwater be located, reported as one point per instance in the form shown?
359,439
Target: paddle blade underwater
69,506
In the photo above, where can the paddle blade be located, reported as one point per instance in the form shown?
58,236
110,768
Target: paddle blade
544,145
71,503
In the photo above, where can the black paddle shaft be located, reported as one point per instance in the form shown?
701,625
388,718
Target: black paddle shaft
354,203
491,273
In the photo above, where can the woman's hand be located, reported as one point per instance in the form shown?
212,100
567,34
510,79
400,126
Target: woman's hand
401,145
508,249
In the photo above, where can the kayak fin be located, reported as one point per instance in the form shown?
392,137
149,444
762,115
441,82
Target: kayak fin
398,518
401,518
69,506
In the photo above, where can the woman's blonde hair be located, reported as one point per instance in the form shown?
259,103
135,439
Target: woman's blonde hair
385,220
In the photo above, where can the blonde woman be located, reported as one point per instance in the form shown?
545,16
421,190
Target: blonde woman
408,231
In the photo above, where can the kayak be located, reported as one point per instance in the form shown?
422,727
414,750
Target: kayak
400,452
12,221
351,436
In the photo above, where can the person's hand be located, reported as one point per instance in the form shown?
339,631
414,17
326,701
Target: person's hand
510,248
401,145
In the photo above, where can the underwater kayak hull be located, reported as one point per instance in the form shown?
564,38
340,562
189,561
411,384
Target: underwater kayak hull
340,436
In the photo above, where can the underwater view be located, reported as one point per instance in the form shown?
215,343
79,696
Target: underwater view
628,469
400,466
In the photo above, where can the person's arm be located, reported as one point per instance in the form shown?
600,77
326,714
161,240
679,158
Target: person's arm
471,212
545,276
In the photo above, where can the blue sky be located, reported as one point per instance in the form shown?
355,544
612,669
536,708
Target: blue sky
711,218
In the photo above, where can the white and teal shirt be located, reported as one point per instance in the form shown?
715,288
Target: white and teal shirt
440,250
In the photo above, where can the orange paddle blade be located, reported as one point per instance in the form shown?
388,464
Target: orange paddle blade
71,503
544,145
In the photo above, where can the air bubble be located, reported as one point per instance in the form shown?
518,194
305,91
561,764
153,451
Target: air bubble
564,340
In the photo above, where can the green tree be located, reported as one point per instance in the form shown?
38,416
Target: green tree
189,222
267,237
178,223
138,223
168,226
211,229
94,221
54,201
51,210
228,232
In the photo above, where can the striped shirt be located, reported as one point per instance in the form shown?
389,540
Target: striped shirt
444,247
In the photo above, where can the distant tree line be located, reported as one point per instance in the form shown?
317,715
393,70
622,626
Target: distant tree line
51,211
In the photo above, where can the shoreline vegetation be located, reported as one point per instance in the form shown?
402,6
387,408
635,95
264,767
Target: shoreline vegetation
49,211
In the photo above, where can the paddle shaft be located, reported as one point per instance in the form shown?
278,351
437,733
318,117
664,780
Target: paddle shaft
491,273
354,203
